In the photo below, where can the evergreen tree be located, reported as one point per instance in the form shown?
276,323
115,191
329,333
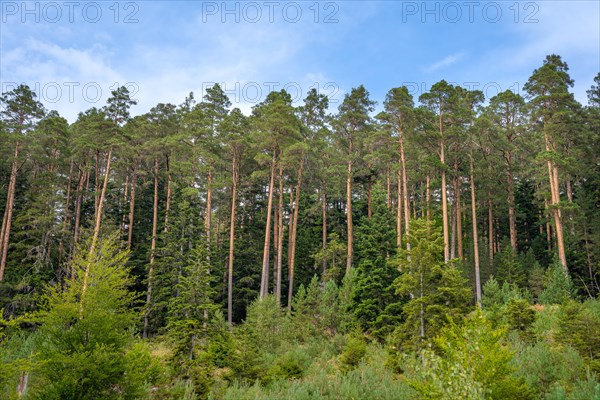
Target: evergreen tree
436,291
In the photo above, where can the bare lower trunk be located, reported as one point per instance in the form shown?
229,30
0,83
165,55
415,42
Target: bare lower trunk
152,250
234,186
279,228
80,184
427,195
169,194
444,206
295,231
474,226
369,210
399,212
512,219
349,211
67,214
96,231
490,228
208,216
264,284
388,193
405,192
131,208
125,199
5,234
324,227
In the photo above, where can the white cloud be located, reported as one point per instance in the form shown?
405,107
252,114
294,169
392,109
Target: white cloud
445,62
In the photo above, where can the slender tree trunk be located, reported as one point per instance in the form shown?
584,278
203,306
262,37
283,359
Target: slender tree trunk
324,228
80,184
369,186
169,194
207,219
405,192
444,202
399,212
388,193
279,228
96,231
427,196
275,243
453,231
294,232
5,234
554,189
131,207
234,187
264,284
67,216
512,219
490,227
459,226
97,180
125,199
152,250
349,209
474,226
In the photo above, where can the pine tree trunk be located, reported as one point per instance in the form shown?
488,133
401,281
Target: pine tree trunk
444,203
5,234
399,212
125,200
388,193
264,284
427,196
207,218
512,219
96,230
349,209
67,215
294,232
474,226
490,227
132,208
554,189
324,228
152,250
405,192
369,187
279,228
234,187
169,194
80,185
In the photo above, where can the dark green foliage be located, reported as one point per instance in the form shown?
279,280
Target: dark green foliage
558,287
579,327
437,292
354,351
373,296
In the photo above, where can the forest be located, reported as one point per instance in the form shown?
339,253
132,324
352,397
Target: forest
439,247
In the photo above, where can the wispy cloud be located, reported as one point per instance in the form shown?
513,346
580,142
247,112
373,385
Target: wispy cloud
445,62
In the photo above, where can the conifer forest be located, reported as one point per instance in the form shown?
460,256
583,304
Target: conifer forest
439,246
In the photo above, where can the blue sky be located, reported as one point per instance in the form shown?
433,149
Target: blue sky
74,53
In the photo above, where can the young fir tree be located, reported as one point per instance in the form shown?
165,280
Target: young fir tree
436,291
374,303
190,309
86,336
